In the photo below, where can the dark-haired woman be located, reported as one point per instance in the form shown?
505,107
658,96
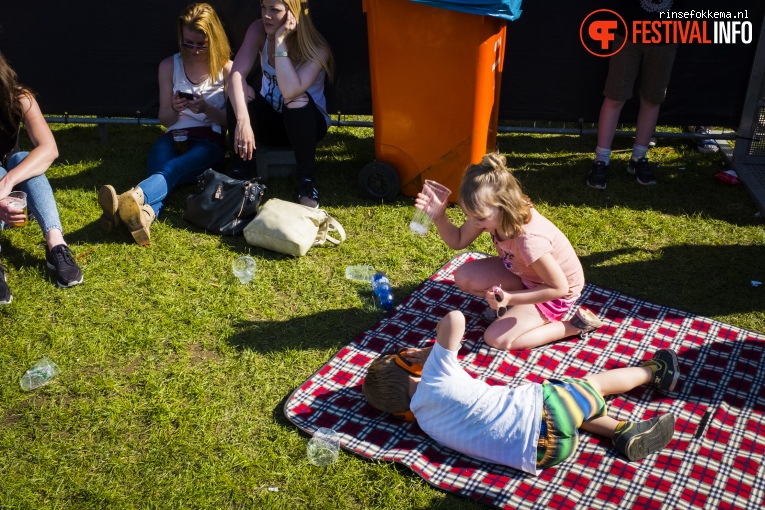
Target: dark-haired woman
25,171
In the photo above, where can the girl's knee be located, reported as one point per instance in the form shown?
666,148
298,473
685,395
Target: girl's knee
462,278
498,340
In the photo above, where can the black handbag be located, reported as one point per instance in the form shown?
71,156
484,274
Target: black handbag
224,205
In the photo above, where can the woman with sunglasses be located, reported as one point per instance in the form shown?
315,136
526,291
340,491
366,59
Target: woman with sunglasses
290,108
25,172
192,98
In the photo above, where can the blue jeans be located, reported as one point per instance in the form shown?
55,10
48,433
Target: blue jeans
166,170
40,201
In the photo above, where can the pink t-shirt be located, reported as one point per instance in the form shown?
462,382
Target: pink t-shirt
540,237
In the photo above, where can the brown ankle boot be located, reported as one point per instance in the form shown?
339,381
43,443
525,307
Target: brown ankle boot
109,202
136,215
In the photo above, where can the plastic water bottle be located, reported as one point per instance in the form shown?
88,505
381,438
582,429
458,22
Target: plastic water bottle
39,374
363,273
382,291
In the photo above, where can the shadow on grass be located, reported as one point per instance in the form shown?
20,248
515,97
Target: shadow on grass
727,273
323,330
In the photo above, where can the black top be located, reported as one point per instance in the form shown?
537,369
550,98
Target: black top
9,137
646,10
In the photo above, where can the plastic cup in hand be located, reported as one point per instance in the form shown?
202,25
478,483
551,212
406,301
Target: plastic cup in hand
181,139
422,218
244,269
17,200
323,447
39,374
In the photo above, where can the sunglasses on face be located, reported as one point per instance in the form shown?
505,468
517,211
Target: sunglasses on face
195,47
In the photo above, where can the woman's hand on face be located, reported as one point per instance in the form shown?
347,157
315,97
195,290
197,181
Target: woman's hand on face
244,140
287,27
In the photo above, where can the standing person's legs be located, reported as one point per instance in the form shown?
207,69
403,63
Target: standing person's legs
623,69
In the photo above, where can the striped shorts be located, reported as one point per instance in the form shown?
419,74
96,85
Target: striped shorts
567,404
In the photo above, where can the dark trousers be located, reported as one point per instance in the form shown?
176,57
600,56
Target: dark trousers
297,128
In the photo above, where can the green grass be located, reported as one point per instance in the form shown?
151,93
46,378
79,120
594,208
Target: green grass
174,375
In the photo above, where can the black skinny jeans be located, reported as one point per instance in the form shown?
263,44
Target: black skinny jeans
297,128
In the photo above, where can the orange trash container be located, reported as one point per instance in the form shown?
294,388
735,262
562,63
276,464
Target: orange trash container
436,78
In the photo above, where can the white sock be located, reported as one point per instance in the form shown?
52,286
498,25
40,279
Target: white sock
639,151
603,155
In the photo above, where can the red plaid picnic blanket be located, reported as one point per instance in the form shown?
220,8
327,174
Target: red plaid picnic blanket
712,462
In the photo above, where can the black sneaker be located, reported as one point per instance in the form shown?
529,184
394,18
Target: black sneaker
307,189
5,290
597,178
642,171
667,369
637,440
60,260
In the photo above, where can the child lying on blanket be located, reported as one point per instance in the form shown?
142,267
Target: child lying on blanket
529,427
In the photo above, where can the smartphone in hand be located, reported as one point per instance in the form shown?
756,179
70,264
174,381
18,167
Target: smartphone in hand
186,95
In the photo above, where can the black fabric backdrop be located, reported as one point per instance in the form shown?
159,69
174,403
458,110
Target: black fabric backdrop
100,58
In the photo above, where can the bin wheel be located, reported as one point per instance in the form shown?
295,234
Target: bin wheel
379,181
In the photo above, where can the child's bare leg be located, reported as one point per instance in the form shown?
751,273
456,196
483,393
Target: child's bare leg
478,276
544,334
620,380
451,330
604,426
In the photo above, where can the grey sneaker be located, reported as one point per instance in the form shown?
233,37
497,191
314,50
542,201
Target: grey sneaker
667,369
585,320
637,440
61,262
5,291
642,171
597,177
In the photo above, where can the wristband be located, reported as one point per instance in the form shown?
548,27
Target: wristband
280,54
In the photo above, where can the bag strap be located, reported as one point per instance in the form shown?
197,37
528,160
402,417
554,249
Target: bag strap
335,226
326,225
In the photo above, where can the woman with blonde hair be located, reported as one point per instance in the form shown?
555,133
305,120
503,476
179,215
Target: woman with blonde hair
192,87
25,171
290,107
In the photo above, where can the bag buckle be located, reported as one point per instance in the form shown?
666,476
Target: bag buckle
218,191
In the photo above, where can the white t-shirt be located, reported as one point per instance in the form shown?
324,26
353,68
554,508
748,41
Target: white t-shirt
212,90
490,423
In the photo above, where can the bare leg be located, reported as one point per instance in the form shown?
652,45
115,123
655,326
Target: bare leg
648,115
620,380
478,276
522,327
604,426
609,118
54,237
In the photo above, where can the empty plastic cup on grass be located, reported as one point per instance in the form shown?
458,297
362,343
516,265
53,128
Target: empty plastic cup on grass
244,269
323,447
39,374
361,273
424,217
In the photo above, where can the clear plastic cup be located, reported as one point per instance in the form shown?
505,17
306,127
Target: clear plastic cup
323,448
244,269
39,374
422,218
17,200
361,273
181,139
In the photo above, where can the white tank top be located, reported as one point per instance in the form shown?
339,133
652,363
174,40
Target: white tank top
211,90
269,88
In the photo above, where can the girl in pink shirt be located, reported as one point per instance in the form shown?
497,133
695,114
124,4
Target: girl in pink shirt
536,277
